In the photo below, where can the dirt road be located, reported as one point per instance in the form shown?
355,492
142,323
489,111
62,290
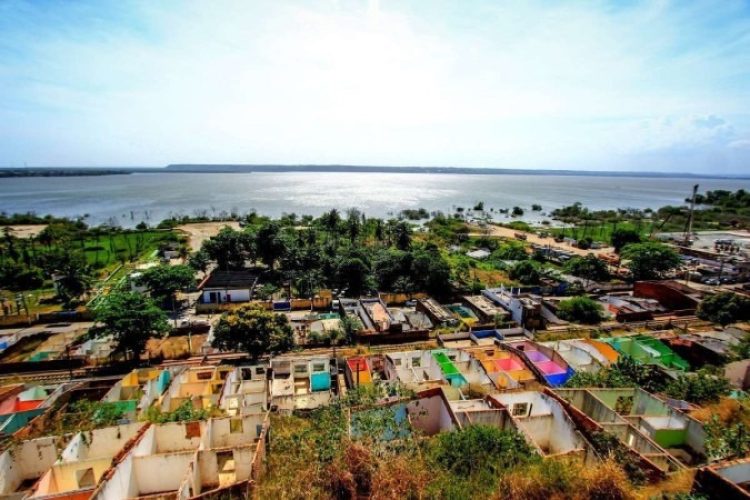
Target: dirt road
504,232
199,232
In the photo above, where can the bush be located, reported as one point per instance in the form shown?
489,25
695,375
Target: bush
526,272
699,388
725,308
580,310
479,449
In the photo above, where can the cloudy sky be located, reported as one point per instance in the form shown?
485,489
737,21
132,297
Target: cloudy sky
615,85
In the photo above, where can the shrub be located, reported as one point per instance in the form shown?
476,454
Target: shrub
581,310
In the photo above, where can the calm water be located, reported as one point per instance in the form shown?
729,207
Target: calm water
152,197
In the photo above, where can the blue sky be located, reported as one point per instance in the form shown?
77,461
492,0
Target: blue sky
655,86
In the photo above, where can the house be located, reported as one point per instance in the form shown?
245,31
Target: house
20,403
525,309
246,390
486,310
730,480
544,422
24,463
219,457
200,386
137,390
550,365
641,422
583,357
648,350
84,461
300,383
437,313
506,369
228,287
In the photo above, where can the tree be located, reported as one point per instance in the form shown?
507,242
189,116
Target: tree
230,249
725,308
581,310
353,274
253,330
526,272
74,278
650,260
511,250
701,387
269,243
589,268
131,318
624,236
200,261
402,233
164,281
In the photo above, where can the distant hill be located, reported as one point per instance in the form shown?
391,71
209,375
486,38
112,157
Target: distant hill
239,168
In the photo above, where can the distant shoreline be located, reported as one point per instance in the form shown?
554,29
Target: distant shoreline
246,169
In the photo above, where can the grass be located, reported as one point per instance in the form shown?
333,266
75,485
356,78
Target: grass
108,251
602,231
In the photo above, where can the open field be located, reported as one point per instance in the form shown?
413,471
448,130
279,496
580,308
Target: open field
26,230
198,232
504,232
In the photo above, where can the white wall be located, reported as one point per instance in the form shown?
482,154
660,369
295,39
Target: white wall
105,442
161,472
27,460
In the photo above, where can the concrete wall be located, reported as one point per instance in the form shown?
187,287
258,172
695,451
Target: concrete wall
246,431
105,442
169,438
64,477
158,473
27,460
430,415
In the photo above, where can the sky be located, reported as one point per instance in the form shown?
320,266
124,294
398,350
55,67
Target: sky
591,85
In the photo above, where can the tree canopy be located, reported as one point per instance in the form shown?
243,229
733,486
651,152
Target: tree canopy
650,260
164,281
581,310
589,268
131,318
253,330
725,308
624,236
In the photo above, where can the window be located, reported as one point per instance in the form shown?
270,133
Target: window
85,478
235,426
319,367
397,361
520,409
300,368
416,362
203,375
260,371
489,352
452,357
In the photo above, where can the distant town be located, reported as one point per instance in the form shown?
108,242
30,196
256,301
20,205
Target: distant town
432,354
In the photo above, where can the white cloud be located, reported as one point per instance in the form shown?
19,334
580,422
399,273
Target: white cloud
380,82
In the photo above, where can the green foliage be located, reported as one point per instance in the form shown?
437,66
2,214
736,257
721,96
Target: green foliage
479,449
526,272
580,309
186,412
589,267
516,211
623,374
253,330
700,388
725,308
200,260
131,319
607,444
621,237
85,415
650,260
230,249
164,281
511,250
726,441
